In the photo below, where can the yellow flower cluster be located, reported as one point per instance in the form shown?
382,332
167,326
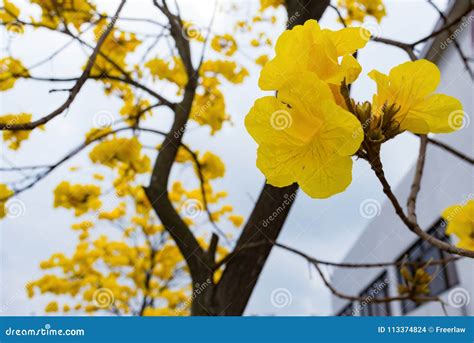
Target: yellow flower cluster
106,275
173,72
122,153
55,12
15,138
460,219
209,106
357,10
10,70
115,214
212,166
5,193
264,4
81,198
135,109
116,47
9,12
309,131
228,69
96,133
303,135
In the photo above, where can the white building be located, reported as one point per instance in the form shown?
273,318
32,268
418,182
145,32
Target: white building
447,180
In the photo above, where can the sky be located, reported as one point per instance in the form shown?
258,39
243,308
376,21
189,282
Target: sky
322,228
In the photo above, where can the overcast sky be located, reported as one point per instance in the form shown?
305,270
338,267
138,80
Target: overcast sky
323,228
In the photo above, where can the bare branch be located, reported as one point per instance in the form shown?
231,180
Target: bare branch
74,91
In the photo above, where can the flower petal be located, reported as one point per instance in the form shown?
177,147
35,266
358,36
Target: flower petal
279,165
271,122
341,130
325,174
348,40
438,113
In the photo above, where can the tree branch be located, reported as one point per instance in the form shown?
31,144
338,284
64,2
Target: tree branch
74,90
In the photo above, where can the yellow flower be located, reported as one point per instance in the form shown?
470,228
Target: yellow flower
212,166
96,133
5,193
10,70
116,46
52,307
9,12
307,48
228,69
264,4
15,138
84,226
116,213
262,60
356,10
409,87
81,198
121,153
225,44
236,220
76,12
98,176
460,220
304,137
163,70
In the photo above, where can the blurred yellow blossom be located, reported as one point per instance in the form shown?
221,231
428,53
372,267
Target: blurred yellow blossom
15,138
460,219
357,10
5,193
10,70
9,12
81,198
